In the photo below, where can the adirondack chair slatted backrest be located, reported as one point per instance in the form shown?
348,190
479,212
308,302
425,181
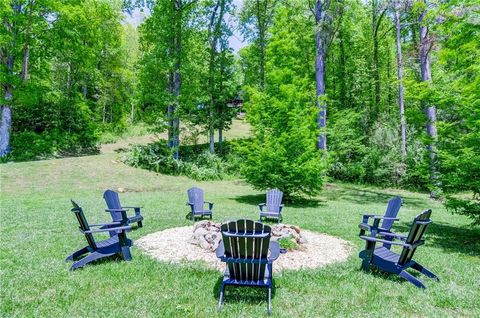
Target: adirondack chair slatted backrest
393,207
246,242
419,225
195,196
274,199
113,202
82,221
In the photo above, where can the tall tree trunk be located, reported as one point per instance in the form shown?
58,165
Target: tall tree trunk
175,79
376,22
401,105
262,59
170,110
132,113
6,123
430,110
321,42
214,34
342,66
262,13
220,139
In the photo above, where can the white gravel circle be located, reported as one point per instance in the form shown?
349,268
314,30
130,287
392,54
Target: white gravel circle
174,245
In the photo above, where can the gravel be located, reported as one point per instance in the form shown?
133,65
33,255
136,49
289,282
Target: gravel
175,245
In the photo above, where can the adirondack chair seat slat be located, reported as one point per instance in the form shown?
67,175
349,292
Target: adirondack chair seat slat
269,214
119,212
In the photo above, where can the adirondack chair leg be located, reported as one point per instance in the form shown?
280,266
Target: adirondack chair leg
367,259
424,271
88,259
220,300
140,224
269,308
127,256
76,254
412,279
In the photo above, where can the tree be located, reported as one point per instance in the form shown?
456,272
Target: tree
426,45
216,30
283,153
458,97
165,35
401,100
255,19
22,20
324,33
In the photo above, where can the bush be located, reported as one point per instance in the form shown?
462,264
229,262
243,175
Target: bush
377,159
196,161
29,145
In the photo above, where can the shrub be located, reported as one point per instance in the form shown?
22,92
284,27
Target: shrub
196,161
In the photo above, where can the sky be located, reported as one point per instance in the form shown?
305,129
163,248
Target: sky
236,40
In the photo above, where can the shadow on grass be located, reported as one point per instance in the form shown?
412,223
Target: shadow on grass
108,259
247,294
367,196
295,202
451,238
396,278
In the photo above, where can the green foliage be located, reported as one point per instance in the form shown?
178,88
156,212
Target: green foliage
196,161
458,92
288,243
376,160
79,81
283,154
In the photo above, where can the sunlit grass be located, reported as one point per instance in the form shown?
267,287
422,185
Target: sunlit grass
38,231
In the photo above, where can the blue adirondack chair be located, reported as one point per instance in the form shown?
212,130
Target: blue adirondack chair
116,209
244,248
273,206
388,261
388,219
117,244
197,204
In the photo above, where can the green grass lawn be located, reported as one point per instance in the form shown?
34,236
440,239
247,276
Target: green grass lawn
38,231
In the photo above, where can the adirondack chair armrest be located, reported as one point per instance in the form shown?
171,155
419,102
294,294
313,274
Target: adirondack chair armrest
261,205
116,210
106,224
220,251
210,205
274,248
135,208
374,239
394,235
119,228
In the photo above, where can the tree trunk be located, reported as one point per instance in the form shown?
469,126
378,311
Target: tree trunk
211,134
6,123
220,139
132,113
321,42
401,105
262,59
430,110
376,22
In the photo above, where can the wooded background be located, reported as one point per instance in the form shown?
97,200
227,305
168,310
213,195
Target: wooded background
380,92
